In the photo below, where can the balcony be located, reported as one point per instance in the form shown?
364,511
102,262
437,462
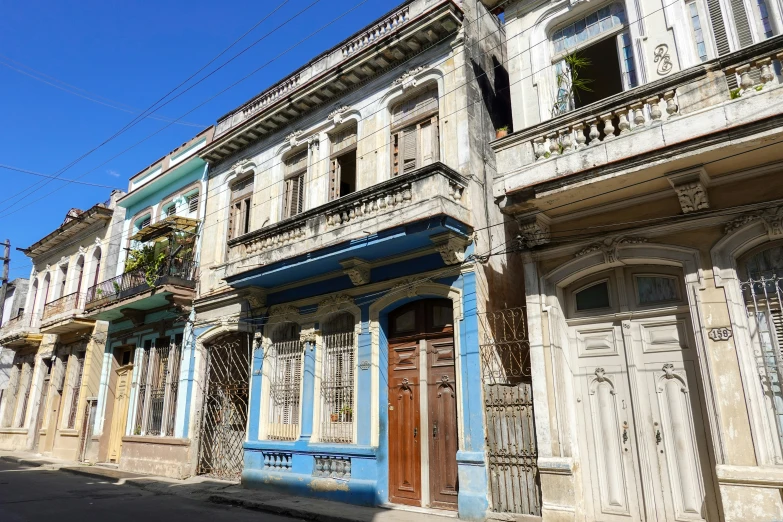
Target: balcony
423,209
20,331
691,115
160,272
65,314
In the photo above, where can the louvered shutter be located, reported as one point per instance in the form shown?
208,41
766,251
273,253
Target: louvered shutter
193,203
741,23
409,149
718,29
334,179
777,324
414,108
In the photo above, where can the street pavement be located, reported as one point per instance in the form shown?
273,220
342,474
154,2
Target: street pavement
29,494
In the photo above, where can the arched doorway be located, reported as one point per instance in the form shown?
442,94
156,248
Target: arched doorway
423,437
642,424
225,408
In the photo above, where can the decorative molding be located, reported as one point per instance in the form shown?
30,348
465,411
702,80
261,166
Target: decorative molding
337,115
691,188
533,230
357,269
239,166
772,219
309,336
409,287
609,247
408,78
284,312
451,246
293,138
98,241
663,60
82,249
256,297
333,303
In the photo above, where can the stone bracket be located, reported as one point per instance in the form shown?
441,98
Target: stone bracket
357,269
691,188
533,229
451,246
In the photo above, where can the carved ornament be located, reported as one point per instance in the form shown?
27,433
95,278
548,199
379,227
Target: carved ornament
609,247
690,185
239,166
284,312
662,58
333,303
533,230
293,138
451,246
357,269
337,115
256,297
408,287
771,218
408,79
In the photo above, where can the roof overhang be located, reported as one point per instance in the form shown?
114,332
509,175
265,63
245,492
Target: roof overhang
289,99
67,231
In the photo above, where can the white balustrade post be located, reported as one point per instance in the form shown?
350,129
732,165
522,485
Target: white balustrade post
608,126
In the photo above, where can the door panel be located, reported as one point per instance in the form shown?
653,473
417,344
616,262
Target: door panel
120,413
404,413
608,439
442,400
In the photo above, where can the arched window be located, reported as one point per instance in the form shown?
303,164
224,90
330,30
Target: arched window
295,173
63,281
342,172
34,302
46,288
337,379
96,263
239,208
284,360
415,136
79,273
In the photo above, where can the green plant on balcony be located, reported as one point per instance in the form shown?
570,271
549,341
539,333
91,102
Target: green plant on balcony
148,260
569,82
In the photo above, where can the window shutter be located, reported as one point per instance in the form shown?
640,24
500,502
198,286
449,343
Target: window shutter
344,139
299,193
193,203
171,210
395,148
741,23
145,222
718,29
409,149
414,108
334,180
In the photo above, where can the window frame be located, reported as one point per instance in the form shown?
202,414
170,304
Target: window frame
244,198
324,367
335,175
397,132
295,175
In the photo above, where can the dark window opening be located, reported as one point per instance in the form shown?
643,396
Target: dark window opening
604,71
345,175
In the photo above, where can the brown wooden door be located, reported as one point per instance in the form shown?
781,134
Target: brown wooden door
442,406
404,429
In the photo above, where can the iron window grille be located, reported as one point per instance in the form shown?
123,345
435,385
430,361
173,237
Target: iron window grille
77,373
158,384
285,360
337,380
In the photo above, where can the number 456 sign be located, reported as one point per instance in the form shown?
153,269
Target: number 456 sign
720,334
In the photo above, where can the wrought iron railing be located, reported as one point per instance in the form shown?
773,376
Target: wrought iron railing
74,301
137,281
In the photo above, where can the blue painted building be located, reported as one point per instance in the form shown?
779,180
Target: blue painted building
340,268
147,377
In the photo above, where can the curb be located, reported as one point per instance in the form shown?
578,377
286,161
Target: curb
131,481
25,462
279,510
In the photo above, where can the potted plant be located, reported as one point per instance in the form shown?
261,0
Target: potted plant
501,132
347,413
335,417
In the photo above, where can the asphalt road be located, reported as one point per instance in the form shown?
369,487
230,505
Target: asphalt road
33,494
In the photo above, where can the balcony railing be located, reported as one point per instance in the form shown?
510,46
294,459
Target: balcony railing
136,282
67,303
660,102
19,325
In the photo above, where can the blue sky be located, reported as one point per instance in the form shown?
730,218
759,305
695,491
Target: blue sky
124,56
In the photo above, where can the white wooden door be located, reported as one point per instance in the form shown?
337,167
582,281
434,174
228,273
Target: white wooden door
672,419
607,437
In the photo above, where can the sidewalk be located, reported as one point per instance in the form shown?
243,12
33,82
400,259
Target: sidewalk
223,492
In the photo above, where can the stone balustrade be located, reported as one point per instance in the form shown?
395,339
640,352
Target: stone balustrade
277,461
431,190
388,24
620,121
332,467
762,68
19,327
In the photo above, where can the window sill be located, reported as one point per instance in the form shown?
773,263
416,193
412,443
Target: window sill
12,431
69,433
154,439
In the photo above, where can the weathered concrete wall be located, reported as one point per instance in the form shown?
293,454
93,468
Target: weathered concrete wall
164,456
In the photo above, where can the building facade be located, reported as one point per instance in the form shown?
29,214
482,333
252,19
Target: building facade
146,298
50,400
15,298
648,203
339,282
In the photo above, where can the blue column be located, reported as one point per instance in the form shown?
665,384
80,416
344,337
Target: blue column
308,386
473,502
186,377
364,381
256,383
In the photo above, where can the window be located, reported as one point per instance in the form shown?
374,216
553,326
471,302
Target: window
342,173
143,222
76,367
597,49
415,140
170,209
594,297
21,383
158,381
284,362
239,211
337,380
698,34
295,171
656,289
192,201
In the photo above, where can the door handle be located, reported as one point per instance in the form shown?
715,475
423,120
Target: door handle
625,432
435,430
415,432
657,437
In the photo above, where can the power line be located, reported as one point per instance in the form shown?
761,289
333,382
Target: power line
33,173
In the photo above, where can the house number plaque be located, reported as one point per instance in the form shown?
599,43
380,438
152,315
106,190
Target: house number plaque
364,365
720,334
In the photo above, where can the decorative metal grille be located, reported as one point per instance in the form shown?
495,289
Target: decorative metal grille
78,372
225,409
285,359
158,383
763,294
508,403
337,380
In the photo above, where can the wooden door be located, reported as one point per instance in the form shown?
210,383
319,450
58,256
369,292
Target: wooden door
42,410
404,419
442,402
607,437
120,412
673,417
